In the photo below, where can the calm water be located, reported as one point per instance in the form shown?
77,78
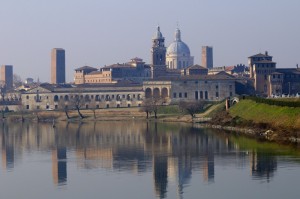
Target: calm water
138,160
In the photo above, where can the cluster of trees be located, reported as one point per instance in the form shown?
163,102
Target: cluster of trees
152,105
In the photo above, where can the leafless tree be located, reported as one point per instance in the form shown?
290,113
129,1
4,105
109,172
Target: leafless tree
192,107
147,106
64,107
17,81
36,112
78,101
94,106
22,110
151,105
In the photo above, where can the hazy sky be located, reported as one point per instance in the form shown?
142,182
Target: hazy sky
103,32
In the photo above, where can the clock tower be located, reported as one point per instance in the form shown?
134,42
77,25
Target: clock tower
158,53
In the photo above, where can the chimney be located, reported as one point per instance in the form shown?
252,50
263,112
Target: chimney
297,66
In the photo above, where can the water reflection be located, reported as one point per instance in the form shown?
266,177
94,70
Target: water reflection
171,152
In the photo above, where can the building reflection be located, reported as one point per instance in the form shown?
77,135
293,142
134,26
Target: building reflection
7,148
171,152
263,165
59,166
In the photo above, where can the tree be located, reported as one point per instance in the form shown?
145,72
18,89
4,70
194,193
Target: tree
151,105
64,107
94,106
17,81
147,106
78,101
3,102
22,110
192,107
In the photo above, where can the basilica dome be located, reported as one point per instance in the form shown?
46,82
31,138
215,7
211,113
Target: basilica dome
178,54
178,47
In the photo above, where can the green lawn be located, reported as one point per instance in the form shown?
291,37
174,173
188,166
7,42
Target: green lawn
284,117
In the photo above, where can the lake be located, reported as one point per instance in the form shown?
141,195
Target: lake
139,159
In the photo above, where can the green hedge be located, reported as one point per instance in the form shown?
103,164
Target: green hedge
272,101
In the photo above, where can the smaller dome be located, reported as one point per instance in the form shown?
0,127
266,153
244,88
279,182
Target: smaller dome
158,34
178,47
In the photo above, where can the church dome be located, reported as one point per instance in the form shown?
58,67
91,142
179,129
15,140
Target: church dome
178,47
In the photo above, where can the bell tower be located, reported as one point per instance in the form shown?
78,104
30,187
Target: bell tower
158,53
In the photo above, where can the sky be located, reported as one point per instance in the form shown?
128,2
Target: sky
103,32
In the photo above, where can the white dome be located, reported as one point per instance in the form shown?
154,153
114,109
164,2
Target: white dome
178,47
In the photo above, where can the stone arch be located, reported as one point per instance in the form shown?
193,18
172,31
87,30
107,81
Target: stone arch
156,93
148,93
56,98
66,97
118,97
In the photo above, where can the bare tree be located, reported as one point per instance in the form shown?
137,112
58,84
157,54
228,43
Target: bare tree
94,106
22,110
3,102
36,112
147,106
78,101
17,81
151,105
192,107
64,107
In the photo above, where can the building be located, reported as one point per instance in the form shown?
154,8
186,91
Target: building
58,66
207,57
191,87
135,70
50,96
271,81
194,70
7,76
158,55
178,54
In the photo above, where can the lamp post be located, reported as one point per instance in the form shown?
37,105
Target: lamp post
289,88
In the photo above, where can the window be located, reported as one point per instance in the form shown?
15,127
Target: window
27,107
196,95
86,106
217,87
206,95
180,95
217,94
56,106
128,105
185,95
174,95
201,94
97,106
37,107
107,105
47,106
230,94
118,105
27,97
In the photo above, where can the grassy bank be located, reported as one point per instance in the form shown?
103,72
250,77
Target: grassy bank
275,116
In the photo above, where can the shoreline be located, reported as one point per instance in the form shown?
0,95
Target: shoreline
267,134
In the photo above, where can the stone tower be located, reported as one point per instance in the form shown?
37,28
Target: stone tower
158,53
58,66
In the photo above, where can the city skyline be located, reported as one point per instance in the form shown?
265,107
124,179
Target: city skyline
102,33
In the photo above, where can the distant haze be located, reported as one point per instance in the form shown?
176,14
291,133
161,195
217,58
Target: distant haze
98,33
